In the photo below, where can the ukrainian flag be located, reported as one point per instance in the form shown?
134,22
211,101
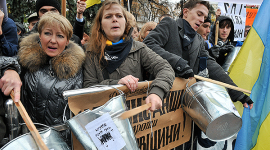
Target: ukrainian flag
251,70
90,3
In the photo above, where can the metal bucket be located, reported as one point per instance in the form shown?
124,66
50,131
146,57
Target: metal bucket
230,58
50,136
115,107
211,108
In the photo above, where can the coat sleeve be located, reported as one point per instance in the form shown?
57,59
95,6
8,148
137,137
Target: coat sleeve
93,73
9,39
78,28
160,36
161,69
9,63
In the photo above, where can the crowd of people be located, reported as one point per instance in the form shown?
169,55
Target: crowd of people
55,56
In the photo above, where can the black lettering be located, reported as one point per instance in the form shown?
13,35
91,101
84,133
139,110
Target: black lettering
154,122
142,143
168,135
161,137
226,5
139,103
166,103
160,112
153,141
176,132
133,105
238,33
146,115
233,7
240,9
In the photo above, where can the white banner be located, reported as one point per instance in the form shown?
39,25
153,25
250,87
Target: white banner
250,2
237,12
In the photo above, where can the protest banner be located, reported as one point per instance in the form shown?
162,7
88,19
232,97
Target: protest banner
251,14
237,12
171,127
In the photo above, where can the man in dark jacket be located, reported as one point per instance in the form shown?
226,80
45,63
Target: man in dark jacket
225,39
10,80
178,43
43,6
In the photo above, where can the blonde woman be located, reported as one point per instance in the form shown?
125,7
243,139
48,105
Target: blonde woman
51,65
146,28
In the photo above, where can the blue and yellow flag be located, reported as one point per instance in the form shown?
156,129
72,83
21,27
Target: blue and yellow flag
90,3
251,70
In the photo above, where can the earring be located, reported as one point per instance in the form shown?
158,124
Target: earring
39,43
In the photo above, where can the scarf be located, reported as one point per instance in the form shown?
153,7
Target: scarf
189,34
116,53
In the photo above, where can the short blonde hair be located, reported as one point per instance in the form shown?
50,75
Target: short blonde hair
146,27
55,19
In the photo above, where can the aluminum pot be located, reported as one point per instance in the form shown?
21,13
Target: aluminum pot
50,136
211,108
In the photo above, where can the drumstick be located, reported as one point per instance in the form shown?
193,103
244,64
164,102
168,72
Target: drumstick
135,111
222,84
29,123
216,34
63,7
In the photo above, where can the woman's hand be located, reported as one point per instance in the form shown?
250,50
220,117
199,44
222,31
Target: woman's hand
130,81
155,100
11,81
246,105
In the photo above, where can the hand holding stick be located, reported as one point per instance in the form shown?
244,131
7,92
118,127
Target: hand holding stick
216,33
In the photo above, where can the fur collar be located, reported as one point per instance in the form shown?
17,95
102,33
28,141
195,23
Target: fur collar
65,65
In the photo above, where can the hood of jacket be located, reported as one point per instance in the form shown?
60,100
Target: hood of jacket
220,19
65,65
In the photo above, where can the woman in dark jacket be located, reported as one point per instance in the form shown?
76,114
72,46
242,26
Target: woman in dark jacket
115,58
51,65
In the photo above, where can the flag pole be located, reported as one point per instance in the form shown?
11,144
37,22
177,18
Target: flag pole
64,8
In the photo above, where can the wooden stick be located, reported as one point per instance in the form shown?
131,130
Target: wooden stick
216,34
32,128
135,111
64,8
222,84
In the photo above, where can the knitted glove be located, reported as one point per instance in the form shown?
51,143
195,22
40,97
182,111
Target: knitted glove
245,99
184,72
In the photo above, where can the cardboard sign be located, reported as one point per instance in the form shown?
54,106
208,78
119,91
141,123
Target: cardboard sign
237,12
170,125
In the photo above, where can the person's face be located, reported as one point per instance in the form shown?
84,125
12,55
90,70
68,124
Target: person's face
224,33
204,30
148,31
32,24
135,33
113,23
45,9
53,40
195,17
246,31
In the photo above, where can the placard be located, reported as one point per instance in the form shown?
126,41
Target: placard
170,125
237,12
105,134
